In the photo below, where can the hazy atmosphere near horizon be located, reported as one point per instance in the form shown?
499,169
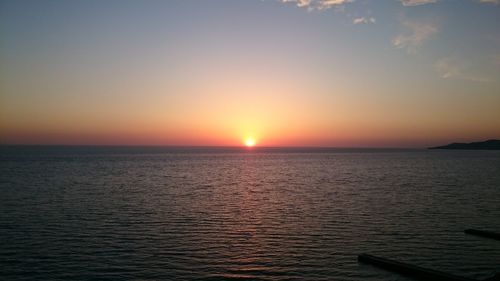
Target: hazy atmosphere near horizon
410,73
277,140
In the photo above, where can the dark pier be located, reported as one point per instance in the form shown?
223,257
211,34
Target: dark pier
483,233
410,270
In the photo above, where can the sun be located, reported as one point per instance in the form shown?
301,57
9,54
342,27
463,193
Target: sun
249,142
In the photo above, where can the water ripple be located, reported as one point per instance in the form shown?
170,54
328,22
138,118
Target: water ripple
245,216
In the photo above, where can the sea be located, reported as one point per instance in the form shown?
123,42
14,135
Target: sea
198,213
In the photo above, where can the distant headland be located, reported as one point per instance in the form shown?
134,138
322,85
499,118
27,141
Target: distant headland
482,145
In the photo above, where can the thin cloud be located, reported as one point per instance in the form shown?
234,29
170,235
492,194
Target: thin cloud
495,2
326,4
424,2
417,2
415,38
363,20
450,68
317,4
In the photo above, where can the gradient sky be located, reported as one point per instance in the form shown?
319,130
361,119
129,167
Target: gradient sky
288,73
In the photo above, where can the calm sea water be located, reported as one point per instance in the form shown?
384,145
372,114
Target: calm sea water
101,213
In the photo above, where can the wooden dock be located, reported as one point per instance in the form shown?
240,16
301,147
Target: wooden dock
483,233
410,270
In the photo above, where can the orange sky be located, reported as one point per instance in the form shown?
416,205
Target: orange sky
386,76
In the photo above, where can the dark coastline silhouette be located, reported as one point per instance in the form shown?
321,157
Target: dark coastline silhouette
483,145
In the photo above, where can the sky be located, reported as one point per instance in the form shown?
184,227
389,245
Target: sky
332,73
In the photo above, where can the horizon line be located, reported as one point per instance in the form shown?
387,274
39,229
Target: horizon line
210,146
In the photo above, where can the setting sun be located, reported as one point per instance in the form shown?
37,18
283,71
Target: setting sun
249,142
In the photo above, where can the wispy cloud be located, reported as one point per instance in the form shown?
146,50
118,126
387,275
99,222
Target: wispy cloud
451,68
325,4
317,4
423,2
496,2
417,2
363,20
417,34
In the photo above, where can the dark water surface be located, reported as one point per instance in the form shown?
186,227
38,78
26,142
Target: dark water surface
206,214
